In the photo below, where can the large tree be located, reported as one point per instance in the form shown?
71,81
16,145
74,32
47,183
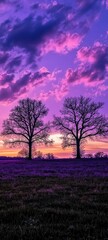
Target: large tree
80,120
25,124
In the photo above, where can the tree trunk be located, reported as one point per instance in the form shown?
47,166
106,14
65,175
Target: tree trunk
78,154
30,150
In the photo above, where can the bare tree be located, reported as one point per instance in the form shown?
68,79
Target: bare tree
100,155
50,156
25,124
24,152
39,155
80,120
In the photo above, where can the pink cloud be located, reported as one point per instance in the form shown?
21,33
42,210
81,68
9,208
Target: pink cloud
45,5
92,71
63,43
90,54
45,95
93,67
24,84
61,90
58,91
85,76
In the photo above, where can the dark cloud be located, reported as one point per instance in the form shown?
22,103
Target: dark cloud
21,86
2,1
96,55
3,57
101,57
13,64
5,94
59,9
94,65
4,28
22,82
35,6
39,75
30,33
86,13
14,89
86,7
7,79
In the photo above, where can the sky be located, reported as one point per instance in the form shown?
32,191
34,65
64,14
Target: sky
50,50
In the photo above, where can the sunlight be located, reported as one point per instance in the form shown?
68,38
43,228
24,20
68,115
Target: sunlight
56,137
1,143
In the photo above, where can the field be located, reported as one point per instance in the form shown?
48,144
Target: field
54,200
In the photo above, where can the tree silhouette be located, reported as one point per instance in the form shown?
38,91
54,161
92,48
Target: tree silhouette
24,152
80,120
39,155
100,155
25,122
49,156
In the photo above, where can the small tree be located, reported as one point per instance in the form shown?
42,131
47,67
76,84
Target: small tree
49,156
25,124
89,155
24,152
80,120
39,155
100,155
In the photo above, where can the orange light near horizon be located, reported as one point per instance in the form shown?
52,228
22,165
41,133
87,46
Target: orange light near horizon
56,149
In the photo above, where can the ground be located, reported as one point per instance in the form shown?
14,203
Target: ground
59,199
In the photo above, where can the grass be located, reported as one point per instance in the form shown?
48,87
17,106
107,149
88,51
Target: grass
54,208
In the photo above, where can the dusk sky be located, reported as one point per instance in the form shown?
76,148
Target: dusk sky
50,50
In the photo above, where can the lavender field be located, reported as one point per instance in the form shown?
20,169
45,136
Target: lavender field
10,168
53,199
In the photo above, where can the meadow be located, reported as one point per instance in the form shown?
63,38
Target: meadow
54,199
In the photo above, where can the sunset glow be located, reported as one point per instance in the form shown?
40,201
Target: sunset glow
56,149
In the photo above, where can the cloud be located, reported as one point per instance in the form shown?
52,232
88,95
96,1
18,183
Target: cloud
3,57
6,79
97,56
29,33
92,71
87,12
14,63
3,2
64,43
93,66
54,28
88,6
105,2
35,6
17,87
36,29
58,91
33,30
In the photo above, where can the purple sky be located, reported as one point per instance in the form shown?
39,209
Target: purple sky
53,49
